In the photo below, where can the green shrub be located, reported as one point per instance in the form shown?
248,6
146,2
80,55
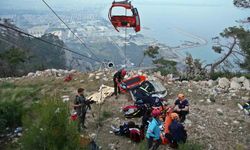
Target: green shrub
10,115
143,145
12,92
48,127
7,85
228,74
165,66
190,145
106,114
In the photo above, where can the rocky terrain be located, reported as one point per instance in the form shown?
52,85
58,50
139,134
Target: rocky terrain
215,121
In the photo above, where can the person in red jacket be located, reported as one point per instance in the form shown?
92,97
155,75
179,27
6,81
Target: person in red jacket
117,78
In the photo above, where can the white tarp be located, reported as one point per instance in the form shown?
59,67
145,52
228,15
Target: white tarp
102,94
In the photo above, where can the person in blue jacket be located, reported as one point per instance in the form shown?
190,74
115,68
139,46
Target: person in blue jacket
153,131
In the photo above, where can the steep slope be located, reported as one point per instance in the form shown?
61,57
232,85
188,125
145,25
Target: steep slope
214,122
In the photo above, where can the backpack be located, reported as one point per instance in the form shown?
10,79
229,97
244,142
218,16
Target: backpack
135,134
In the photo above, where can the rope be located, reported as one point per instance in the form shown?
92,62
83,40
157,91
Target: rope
82,42
125,42
29,35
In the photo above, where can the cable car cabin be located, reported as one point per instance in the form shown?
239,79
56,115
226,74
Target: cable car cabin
124,20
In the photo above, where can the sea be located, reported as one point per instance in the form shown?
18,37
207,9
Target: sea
164,19
170,22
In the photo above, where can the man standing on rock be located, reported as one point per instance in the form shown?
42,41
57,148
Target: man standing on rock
117,78
181,107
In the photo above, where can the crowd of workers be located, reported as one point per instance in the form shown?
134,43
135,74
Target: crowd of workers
158,123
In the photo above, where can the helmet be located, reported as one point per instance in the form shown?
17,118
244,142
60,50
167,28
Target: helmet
181,96
155,113
174,116
124,72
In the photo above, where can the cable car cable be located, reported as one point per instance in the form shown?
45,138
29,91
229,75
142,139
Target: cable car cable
82,42
45,41
125,42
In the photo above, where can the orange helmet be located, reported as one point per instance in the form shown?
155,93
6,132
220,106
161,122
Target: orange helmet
181,96
156,113
174,116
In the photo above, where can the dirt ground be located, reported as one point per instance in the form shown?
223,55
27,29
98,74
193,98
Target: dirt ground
217,125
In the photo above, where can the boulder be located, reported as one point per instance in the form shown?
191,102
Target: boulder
97,77
38,73
140,72
99,74
219,111
91,75
48,73
245,98
61,72
31,74
236,122
223,83
203,83
211,83
208,100
246,84
185,82
72,71
105,79
201,127
235,85
202,100
242,79
54,72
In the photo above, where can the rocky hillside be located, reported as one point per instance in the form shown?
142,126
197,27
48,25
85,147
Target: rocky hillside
215,121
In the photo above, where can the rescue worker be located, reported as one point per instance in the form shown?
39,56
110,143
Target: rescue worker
145,118
81,105
153,131
177,133
181,107
117,78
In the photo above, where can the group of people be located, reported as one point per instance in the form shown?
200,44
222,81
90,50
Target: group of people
152,121
174,131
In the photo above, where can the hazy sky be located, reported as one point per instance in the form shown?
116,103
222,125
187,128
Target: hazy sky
77,4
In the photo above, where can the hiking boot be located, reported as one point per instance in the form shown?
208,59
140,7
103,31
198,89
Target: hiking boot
246,111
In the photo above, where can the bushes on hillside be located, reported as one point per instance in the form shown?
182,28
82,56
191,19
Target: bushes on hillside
191,145
228,75
10,115
47,126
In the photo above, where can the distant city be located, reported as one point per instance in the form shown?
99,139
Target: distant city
96,32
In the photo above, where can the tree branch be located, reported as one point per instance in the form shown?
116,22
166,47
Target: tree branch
214,65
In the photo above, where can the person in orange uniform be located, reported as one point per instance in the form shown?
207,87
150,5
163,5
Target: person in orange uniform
176,132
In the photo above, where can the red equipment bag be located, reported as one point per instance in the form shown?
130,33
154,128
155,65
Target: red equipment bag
73,116
135,134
